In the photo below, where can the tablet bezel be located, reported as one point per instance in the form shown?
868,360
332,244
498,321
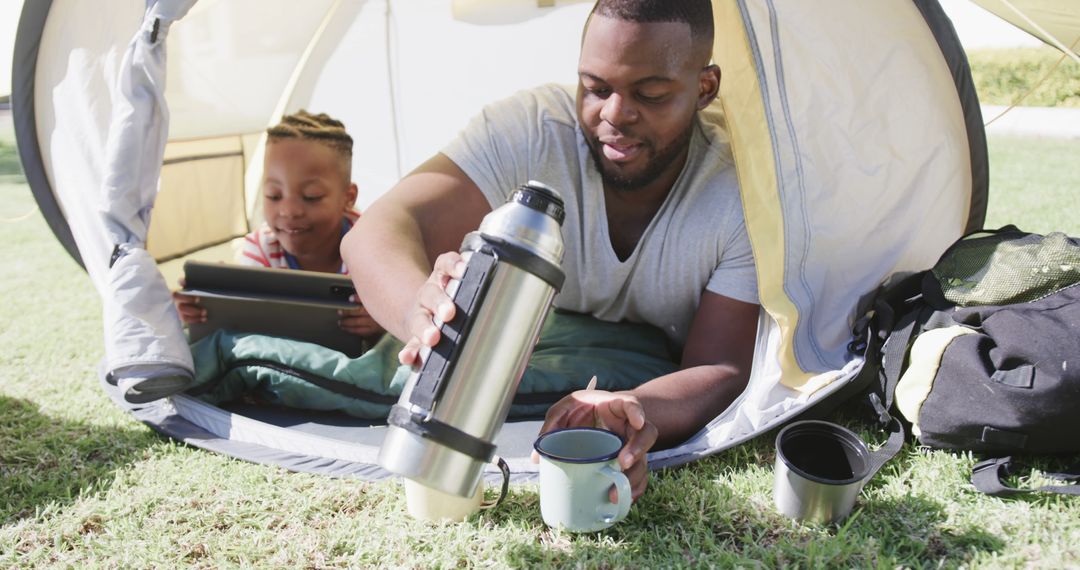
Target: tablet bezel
296,304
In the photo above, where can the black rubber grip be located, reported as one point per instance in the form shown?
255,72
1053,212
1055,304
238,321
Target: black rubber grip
518,257
441,433
439,364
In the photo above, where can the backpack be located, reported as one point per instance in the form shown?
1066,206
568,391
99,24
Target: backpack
981,353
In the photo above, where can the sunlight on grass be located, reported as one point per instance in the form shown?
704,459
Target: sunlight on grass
1035,184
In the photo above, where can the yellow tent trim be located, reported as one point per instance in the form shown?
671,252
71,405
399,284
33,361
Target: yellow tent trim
745,113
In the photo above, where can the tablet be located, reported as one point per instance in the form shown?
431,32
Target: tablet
301,305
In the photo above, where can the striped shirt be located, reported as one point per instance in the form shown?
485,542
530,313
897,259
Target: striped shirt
262,249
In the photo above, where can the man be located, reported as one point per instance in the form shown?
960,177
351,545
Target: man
654,230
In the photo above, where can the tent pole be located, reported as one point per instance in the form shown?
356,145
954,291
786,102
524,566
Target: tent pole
390,85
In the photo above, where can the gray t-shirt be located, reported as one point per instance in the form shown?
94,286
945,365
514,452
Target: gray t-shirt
696,242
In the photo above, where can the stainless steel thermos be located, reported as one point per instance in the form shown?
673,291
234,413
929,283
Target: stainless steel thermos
441,430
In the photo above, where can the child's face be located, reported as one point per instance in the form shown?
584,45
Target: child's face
305,194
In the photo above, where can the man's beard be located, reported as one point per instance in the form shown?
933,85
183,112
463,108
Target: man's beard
658,161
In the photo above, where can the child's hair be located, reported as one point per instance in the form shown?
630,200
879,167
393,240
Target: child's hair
321,128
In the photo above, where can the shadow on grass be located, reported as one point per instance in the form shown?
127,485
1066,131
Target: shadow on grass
681,522
914,531
44,460
909,533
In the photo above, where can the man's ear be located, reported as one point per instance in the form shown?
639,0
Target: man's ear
708,85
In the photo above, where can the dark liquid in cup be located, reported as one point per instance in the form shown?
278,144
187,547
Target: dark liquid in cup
824,455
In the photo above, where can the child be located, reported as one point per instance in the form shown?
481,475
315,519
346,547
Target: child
308,198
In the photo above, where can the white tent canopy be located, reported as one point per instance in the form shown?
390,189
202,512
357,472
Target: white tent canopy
857,138
1055,22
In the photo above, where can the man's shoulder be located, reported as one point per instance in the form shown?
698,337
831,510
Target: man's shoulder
714,137
547,95
548,102
712,181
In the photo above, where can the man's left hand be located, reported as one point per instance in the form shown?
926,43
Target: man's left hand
620,412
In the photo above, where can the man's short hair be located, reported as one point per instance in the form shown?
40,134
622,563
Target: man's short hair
321,128
698,14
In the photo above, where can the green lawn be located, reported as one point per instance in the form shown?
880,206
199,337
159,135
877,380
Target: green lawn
1035,184
84,485
10,170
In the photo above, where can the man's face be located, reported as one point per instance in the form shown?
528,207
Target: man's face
638,89
306,191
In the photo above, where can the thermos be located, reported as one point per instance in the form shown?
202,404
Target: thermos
440,432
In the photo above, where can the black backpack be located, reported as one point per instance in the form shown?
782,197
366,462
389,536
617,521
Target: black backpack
981,353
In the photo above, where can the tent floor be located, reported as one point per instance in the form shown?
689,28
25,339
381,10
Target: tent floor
273,435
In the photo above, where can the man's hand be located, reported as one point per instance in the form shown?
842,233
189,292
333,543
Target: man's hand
391,250
431,302
620,412
357,321
191,312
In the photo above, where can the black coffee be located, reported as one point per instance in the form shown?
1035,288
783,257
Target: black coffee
824,455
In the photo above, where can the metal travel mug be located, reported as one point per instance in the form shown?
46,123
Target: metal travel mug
820,469
441,430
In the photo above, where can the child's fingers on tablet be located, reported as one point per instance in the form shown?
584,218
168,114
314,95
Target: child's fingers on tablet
191,313
362,325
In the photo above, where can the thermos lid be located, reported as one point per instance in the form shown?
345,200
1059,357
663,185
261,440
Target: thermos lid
542,198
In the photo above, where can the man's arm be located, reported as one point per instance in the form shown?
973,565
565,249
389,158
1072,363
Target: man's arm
715,370
667,410
391,250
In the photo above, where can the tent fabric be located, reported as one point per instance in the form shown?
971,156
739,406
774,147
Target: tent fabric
25,114
143,337
111,159
854,138
1055,22
796,122
323,443
202,185
945,35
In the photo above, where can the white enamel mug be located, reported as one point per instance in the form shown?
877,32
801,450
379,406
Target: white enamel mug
578,467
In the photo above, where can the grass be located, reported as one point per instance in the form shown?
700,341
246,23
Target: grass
1034,184
84,485
1002,76
10,168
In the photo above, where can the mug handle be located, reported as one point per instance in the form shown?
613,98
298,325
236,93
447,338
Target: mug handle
622,487
486,504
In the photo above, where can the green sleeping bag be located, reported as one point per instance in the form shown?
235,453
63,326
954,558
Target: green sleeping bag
278,371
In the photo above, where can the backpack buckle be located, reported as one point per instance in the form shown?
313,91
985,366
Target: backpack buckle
879,409
1001,465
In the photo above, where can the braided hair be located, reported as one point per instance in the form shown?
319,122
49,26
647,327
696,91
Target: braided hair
321,128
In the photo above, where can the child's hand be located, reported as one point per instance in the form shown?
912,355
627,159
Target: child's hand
357,321
188,307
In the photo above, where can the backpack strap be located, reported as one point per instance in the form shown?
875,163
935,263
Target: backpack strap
894,353
988,477
892,445
870,333
900,313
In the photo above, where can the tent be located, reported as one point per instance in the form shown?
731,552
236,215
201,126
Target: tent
855,127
